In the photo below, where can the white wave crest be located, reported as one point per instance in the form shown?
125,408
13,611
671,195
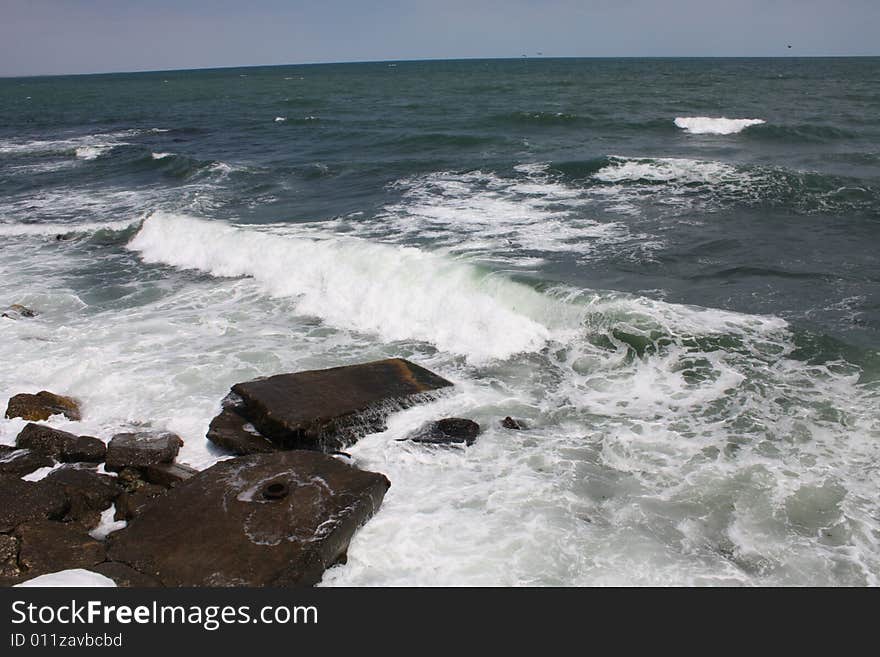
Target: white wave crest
664,169
161,156
396,292
22,230
704,125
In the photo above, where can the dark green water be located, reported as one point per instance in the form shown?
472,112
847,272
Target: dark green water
686,309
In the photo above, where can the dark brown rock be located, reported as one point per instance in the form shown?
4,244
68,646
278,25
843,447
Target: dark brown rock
23,501
64,446
89,493
125,575
328,409
167,474
42,406
446,431
510,423
260,520
236,434
9,557
47,547
19,462
137,450
130,504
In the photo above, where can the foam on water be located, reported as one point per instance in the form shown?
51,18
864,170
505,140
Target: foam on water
704,125
668,444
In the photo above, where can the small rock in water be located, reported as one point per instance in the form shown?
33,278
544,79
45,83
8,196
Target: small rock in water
17,311
138,450
42,406
510,423
236,434
446,431
167,474
64,446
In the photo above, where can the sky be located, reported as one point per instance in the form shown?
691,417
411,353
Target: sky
95,36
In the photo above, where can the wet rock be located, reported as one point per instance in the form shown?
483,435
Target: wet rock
19,462
42,406
124,575
9,557
130,504
88,492
47,547
64,446
17,311
167,474
329,409
446,431
510,423
260,520
23,501
236,434
138,450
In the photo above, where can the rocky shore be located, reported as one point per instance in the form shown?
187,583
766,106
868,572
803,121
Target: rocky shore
279,512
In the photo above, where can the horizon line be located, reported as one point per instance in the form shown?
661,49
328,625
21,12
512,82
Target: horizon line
427,59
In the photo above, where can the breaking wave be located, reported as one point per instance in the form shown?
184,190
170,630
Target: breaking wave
704,125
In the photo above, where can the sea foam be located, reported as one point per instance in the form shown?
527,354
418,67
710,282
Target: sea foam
704,125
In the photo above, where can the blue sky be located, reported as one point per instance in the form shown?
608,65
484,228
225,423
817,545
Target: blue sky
84,36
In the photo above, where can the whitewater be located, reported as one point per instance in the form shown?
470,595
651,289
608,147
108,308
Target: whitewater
681,307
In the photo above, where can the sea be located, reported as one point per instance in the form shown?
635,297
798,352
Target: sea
668,269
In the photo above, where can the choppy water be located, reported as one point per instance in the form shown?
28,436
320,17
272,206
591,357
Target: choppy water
684,308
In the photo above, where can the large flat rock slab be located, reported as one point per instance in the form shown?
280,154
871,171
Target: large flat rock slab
328,409
275,519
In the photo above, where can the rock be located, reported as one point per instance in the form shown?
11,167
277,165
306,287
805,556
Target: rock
124,575
260,520
329,409
23,501
42,406
64,446
19,462
17,311
446,431
510,423
9,557
89,493
47,547
236,434
167,474
137,450
130,504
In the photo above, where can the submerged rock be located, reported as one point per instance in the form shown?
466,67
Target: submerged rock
260,520
42,406
446,431
138,450
23,501
18,311
510,423
47,547
20,462
64,446
329,409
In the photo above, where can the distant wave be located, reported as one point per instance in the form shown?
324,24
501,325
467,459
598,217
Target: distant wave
51,230
704,125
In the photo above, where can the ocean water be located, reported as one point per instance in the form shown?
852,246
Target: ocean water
668,268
